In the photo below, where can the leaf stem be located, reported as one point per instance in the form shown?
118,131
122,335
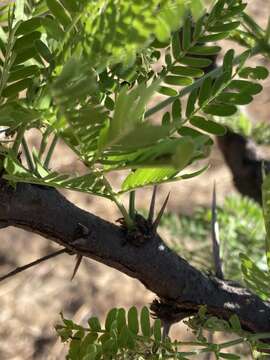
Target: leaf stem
18,139
132,196
44,142
128,219
50,151
28,156
214,73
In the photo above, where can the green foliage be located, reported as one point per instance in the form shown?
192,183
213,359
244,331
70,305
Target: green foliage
266,214
84,71
241,230
129,335
256,278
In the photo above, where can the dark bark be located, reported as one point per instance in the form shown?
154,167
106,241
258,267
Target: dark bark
46,212
241,156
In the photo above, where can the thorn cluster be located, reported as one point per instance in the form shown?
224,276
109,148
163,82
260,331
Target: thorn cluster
144,229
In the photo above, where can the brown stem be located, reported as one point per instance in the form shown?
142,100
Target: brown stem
241,156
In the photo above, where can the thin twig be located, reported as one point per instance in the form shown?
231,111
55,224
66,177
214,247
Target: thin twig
31,264
132,210
215,237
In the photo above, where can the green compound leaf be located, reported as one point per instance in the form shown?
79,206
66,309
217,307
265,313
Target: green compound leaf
22,73
195,61
43,51
28,26
204,50
26,41
257,73
129,108
121,319
176,49
110,347
15,88
111,317
220,109
133,322
213,37
126,339
70,5
182,154
94,324
228,62
266,214
234,98
245,87
145,322
191,102
166,119
186,71
143,135
23,56
176,111
167,91
178,80
149,176
53,28
188,131
220,27
13,115
92,183
205,91
257,279
157,330
59,12
186,33
208,126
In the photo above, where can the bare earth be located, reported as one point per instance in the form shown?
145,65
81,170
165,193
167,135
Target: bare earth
31,302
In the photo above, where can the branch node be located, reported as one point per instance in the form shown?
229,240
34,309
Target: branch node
168,312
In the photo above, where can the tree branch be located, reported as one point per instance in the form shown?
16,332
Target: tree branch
46,212
241,156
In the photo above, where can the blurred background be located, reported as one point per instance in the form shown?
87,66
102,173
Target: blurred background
30,303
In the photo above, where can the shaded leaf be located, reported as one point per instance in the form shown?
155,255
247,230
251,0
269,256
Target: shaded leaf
145,322
133,323
246,87
220,109
186,71
208,125
178,80
167,91
195,61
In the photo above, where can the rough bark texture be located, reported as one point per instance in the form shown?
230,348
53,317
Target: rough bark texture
46,212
